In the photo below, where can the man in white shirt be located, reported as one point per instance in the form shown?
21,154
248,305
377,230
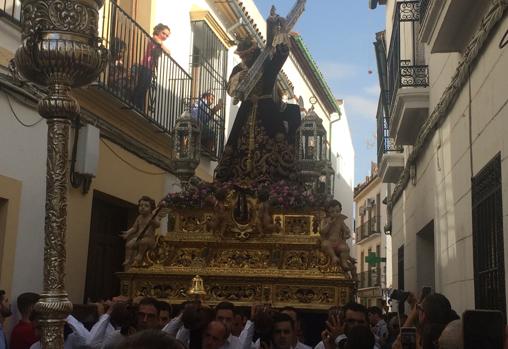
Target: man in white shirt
379,326
338,325
282,330
293,313
224,313
106,333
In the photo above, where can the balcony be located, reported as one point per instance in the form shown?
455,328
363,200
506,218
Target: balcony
447,26
141,81
408,77
389,155
370,278
367,229
10,10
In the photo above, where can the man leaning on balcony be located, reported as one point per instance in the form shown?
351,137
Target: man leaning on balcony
203,111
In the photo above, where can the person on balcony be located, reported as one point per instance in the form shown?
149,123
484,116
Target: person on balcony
145,70
204,112
118,75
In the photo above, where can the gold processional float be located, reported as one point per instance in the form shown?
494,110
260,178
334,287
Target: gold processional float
265,231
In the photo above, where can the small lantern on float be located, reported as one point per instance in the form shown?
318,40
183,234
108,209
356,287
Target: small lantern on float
186,146
311,147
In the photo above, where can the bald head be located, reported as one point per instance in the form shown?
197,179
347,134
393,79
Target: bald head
215,335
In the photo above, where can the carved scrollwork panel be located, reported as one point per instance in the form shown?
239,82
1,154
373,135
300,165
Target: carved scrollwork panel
234,293
305,295
241,259
162,253
189,257
298,225
192,222
58,15
298,260
164,290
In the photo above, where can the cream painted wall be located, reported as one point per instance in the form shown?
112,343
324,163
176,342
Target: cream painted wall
23,158
116,178
384,241
443,191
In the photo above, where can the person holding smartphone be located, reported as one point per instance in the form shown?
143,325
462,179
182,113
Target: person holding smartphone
429,317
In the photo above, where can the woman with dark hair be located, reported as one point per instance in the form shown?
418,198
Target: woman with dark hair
148,64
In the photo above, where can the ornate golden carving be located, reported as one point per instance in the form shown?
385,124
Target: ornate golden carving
234,293
305,295
60,49
241,259
190,257
296,260
298,225
163,290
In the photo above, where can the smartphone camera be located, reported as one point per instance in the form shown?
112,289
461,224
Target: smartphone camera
399,295
408,337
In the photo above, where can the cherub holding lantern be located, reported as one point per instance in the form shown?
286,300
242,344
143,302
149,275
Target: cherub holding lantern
141,236
334,233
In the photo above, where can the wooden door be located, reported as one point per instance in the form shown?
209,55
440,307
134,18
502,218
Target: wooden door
106,249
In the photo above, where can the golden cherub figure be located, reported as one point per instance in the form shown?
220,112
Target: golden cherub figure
137,245
334,234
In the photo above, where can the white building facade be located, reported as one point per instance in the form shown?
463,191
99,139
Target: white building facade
443,147
372,247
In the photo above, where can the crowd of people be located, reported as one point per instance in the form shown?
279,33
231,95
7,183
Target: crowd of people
146,323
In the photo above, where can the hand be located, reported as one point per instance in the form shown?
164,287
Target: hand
334,326
265,345
327,339
101,309
411,300
397,344
220,103
137,299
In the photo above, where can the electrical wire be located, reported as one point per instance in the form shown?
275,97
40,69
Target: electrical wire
11,107
129,164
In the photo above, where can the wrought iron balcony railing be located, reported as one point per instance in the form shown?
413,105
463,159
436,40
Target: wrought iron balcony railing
212,126
140,73
370,278
385,144
405,63
366,229
11,10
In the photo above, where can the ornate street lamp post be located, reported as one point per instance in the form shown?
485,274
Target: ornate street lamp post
60,50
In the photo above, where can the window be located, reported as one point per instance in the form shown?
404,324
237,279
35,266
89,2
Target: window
488,251
209,69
